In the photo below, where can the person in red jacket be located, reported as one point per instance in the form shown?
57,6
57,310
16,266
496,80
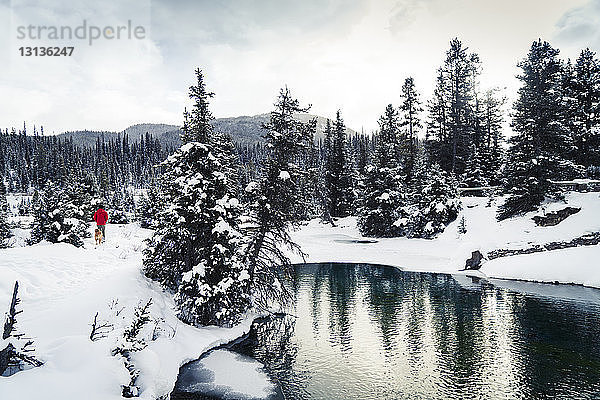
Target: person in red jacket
101,218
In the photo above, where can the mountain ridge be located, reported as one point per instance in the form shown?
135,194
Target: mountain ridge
246,130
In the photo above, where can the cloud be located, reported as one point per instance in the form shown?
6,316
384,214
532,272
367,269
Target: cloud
348,54
238,23
579,27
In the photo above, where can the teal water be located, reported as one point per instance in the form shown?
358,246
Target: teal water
372,332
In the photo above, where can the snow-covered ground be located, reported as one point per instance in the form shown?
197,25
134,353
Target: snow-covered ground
449,251
61,289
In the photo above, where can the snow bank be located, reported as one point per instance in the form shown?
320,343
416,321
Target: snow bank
226,374
449,251
577,265
61,289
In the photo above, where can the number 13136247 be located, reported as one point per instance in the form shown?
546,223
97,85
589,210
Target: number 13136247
46,51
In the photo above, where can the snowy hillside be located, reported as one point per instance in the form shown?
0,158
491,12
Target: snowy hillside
448,252
62,287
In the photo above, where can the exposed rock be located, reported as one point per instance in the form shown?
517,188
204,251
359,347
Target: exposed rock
589,239
555,218
474,262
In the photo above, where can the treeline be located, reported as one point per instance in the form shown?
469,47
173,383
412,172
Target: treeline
28,161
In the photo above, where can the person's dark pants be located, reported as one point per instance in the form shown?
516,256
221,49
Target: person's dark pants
102,229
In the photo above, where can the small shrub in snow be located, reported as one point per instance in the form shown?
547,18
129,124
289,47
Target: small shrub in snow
462,226
133,340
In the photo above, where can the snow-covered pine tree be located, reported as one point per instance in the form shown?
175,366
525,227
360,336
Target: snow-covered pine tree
410,123
149,207
434,202
276,205
490,150
473,176
542,144
451,110
313,181
120,206
85,194
582,94
340,185
5,233
327,166
38,213
383,192
58,216
197,250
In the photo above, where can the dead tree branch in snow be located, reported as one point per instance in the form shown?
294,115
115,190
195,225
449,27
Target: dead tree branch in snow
100,329
14,357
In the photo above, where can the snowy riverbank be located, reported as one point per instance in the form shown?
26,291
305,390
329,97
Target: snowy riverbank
448,252
62,287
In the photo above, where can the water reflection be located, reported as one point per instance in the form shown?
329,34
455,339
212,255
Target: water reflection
368,332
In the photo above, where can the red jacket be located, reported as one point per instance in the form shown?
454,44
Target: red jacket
101,217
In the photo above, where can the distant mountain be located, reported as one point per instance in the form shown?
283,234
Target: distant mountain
244,130
167,134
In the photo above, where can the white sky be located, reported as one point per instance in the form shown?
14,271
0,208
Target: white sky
352,55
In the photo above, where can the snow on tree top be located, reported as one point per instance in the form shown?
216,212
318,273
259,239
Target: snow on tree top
252,186
384,196
284,175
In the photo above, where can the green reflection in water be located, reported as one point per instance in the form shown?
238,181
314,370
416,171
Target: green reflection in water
372,332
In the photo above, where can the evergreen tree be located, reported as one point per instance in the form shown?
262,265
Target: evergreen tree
411,123
383,192
120,205
542,142
197,250
339,171
328,166
312,178
473,176
452,115
490,150
276,202
434,202
582,93
58,218
5,233
149,207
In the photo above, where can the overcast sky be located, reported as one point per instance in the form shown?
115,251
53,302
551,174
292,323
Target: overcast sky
352,55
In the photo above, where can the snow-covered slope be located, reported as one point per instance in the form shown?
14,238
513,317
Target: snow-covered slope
448,252
62,287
